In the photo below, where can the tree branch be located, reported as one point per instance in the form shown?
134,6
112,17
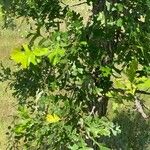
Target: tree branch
137,91
74,4
140,108
142,92
78,4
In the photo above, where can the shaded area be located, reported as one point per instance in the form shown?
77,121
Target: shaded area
135,132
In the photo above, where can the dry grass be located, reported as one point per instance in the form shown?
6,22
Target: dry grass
6,111
9,39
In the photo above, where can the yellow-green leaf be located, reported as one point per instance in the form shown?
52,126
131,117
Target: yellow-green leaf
20,57
143,82
40,51
52,118
24,57
26,47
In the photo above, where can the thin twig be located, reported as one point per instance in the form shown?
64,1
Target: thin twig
74,5
64,3
137,91
78,4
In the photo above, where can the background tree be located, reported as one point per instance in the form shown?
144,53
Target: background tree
67,76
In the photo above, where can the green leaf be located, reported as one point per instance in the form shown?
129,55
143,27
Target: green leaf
31,59
74,147
104,148
40,51
119,22
24,57
119,7
55,55
101,17
108,4
143,82
20,57
106,71
26,48
131,70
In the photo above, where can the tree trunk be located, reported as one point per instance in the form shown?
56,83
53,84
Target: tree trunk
102,103
98,6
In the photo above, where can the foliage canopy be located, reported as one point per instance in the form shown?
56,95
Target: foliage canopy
66,76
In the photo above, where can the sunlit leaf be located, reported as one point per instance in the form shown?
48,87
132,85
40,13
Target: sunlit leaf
20,57
24,57
26,47
40,51
55,55
52,118
143,82
131,70
119,22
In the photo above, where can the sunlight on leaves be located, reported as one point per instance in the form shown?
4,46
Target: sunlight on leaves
52,118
